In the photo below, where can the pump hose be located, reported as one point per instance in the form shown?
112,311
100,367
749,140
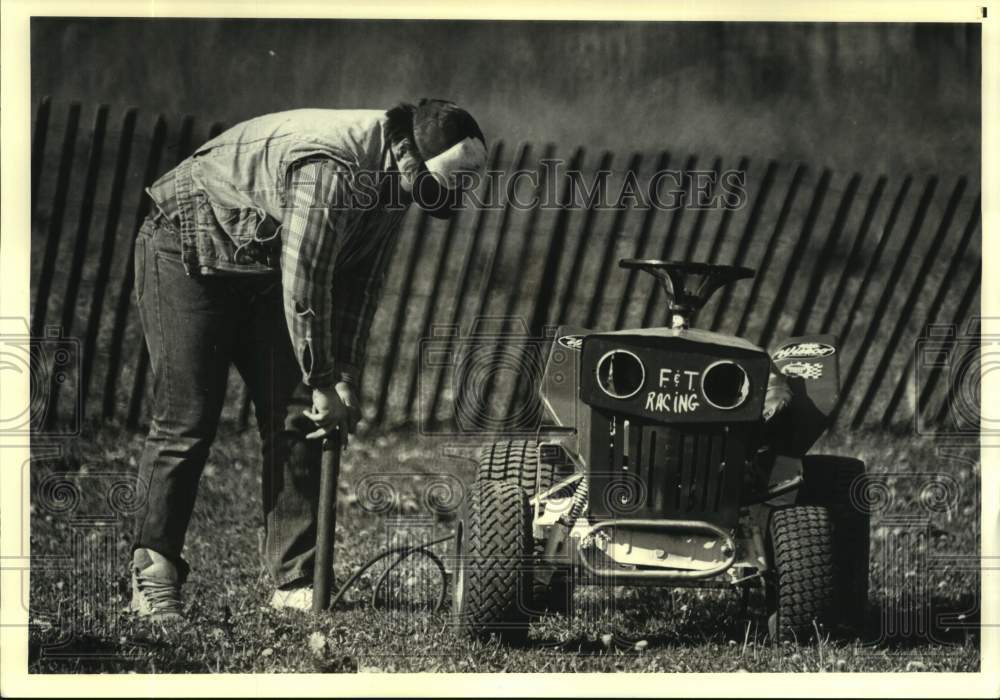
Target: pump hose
402,553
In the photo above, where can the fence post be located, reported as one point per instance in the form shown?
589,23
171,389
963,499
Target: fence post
715,247
899,327
399,319
743,247
876,319
853,255
791,267
582,250
79,252
971,290
607,260
952,273
727,214
699,218
529,230
645,231
557,244
430,311
107,252
529,355
514,296
826,254
653,302
123,302
464,278
56,221
489,274
85,217
38,140
770,247
876,258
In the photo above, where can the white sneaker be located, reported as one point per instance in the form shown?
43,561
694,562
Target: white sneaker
299,598
156,587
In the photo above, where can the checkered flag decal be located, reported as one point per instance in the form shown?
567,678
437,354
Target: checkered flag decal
805,370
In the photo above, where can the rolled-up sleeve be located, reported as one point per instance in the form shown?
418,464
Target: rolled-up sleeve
313,232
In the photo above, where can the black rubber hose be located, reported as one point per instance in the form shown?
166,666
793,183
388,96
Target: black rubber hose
403,552
399,560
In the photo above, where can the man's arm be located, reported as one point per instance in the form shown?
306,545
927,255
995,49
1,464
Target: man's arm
313,233
358,291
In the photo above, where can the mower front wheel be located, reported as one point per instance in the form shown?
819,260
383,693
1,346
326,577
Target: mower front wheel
493,546
519,462
801,588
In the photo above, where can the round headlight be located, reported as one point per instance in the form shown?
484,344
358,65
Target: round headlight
725,385
620,374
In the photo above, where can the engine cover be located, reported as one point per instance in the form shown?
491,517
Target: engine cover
674,376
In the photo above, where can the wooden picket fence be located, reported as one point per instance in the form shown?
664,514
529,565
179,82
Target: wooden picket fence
887,262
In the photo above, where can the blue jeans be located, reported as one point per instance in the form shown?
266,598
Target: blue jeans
195,327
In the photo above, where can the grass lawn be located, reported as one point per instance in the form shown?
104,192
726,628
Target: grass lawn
923,601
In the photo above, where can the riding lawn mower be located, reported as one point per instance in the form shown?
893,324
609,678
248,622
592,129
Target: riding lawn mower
654,466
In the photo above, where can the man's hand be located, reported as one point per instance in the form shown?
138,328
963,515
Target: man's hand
334,408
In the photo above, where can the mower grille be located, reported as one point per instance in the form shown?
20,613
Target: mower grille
686,471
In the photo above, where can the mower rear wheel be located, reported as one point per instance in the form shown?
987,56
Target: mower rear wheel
493,546
800,590
851,533
518,461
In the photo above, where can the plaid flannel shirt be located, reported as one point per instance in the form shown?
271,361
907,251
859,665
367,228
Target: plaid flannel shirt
334,260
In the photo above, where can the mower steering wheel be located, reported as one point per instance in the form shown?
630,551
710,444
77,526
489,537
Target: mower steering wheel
688,285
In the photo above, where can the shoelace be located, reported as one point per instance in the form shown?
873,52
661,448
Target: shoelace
163,595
